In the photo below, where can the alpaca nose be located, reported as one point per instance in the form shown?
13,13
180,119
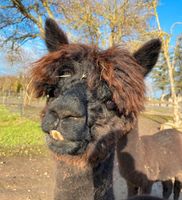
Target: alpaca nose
68,115
63,110
69,105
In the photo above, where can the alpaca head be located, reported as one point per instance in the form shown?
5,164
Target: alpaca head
91,93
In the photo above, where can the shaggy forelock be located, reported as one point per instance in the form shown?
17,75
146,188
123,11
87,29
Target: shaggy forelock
115,65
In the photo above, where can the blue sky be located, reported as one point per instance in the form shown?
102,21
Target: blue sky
170,11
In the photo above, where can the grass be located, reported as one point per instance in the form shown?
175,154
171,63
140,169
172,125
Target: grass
157,118
19,135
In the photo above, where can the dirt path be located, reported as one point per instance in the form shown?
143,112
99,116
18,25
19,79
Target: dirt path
24,178
33,179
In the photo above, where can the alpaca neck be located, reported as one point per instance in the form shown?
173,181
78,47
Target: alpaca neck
131,155
91,183
133,137
130,140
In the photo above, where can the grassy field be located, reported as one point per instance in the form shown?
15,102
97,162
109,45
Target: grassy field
19,135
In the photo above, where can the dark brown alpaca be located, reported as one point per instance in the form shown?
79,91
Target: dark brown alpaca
144,160
93,97
172,185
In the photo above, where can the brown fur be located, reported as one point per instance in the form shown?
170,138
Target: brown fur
106,104
92,155
118,68
144,160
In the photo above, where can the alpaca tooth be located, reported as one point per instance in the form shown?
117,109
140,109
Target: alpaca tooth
57,135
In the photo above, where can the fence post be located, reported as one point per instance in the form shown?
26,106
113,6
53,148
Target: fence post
21,105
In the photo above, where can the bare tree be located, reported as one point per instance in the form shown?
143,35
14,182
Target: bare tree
102,22
106,22
170,65
21,20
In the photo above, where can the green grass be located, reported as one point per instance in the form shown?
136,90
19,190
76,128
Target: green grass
19,134
157,118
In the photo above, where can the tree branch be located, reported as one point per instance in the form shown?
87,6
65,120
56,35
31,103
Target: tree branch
22,9
46,6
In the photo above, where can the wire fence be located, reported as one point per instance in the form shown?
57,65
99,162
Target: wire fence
15,102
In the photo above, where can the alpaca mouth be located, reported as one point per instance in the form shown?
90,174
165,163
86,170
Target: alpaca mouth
56,135
60,145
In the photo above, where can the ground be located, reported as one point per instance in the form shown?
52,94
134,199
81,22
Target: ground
25,178
32,178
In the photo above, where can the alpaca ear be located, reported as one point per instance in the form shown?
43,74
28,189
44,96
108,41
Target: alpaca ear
54,36
148,54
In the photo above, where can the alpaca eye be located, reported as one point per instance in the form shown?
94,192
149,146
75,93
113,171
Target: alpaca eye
52,92
110,105
56,92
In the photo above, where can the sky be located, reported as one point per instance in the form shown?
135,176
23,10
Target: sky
170,11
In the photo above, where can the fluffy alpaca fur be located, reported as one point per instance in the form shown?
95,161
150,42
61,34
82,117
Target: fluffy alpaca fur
93,97
144,160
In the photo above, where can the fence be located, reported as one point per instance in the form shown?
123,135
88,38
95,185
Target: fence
15,102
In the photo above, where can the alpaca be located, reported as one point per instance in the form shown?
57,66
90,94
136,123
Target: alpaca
93,97
144,160
170,185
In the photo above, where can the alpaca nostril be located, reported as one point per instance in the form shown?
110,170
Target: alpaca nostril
50,121
54,114
56,118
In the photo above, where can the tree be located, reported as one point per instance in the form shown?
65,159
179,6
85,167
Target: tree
106,22
178,66
22,20
101,22
170,66
160,78
160,73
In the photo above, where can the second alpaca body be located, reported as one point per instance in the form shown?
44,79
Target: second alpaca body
172,185
144,160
